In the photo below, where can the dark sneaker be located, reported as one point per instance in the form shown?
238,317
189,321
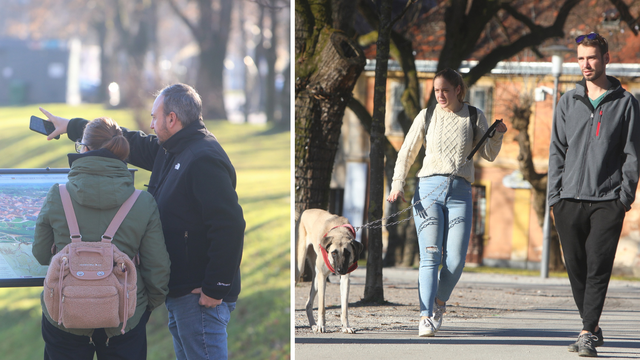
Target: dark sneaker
574,347
586,345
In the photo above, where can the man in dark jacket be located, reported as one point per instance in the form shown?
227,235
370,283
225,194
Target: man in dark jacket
193,182
593,175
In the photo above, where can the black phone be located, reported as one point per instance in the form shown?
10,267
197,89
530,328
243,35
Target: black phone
42,126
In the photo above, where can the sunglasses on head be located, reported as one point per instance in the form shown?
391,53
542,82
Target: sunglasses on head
590,36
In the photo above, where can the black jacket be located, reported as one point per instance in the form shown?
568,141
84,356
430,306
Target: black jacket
193,182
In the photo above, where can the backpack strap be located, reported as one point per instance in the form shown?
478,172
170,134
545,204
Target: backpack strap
72,222
473,117
427,119
120,215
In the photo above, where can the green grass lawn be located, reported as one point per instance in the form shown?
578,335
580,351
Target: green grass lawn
260,325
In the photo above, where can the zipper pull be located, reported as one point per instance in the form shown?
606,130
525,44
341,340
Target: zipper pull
599,122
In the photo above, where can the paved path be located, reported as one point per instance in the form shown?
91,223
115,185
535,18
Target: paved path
534,333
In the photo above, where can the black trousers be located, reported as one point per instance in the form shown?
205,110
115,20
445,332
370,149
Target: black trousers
589,233
59,344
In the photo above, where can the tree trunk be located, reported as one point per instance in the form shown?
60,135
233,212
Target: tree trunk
211,31
401,50
137,33
212,37
321,99
100,26
373,289
521,117
271,57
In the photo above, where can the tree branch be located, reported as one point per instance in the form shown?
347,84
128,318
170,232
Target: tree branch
194,30
532,39
518,16
404,11
625,15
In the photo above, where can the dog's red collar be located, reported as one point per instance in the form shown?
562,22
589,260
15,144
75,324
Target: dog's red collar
325,256
348,226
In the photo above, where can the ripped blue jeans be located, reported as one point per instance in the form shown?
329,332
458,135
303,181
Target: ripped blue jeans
443,236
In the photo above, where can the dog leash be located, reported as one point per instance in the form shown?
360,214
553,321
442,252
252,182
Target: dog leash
371,225
325,256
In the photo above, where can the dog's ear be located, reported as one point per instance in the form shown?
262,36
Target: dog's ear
358,247
326,242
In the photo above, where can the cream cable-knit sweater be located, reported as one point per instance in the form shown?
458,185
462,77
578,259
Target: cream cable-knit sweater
448,142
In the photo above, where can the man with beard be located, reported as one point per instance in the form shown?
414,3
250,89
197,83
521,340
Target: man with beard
593,175
194,184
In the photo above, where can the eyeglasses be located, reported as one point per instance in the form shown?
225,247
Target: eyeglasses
590,36
79,146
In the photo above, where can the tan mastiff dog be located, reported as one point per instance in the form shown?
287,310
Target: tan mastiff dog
323,232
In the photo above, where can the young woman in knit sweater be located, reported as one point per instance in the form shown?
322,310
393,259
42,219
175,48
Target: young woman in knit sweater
444,228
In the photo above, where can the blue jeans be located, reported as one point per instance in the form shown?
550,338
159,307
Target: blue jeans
198,332
443,236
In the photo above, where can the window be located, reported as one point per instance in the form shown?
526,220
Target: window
482,98
394,108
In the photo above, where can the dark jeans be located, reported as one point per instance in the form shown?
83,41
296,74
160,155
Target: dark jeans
60,344
589,233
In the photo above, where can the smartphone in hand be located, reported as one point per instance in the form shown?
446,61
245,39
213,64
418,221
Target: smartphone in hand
42,126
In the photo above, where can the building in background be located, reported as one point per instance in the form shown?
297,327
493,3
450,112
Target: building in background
505,224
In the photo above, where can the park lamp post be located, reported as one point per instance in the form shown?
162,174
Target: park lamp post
557,53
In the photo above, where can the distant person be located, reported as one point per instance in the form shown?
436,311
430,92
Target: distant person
99,182
593,175
444,227
194,183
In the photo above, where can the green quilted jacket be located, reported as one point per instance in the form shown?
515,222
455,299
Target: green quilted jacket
98,185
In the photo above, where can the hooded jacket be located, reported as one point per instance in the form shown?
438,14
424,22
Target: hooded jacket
194,183
98,185
593,154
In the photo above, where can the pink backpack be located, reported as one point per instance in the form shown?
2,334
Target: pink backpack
91,285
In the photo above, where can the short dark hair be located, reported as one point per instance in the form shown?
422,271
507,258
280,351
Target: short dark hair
599,42
184,101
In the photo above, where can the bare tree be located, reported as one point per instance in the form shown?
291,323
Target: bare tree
135,22
211,31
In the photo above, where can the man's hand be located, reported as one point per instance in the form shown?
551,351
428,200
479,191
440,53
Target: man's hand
205,300
59,122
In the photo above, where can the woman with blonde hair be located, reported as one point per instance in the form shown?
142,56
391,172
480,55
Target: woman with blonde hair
443,216
99,182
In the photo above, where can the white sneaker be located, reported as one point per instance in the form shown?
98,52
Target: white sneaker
438,312
426,328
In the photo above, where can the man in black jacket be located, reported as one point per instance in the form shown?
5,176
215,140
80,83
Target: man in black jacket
593,175
193,182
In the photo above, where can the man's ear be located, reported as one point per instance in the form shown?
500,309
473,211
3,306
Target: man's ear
606,58
173,123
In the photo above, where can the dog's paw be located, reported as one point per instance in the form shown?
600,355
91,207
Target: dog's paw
318,329
347,330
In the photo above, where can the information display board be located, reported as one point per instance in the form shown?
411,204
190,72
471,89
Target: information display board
22,193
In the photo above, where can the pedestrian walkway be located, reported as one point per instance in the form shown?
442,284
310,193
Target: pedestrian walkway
541,332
